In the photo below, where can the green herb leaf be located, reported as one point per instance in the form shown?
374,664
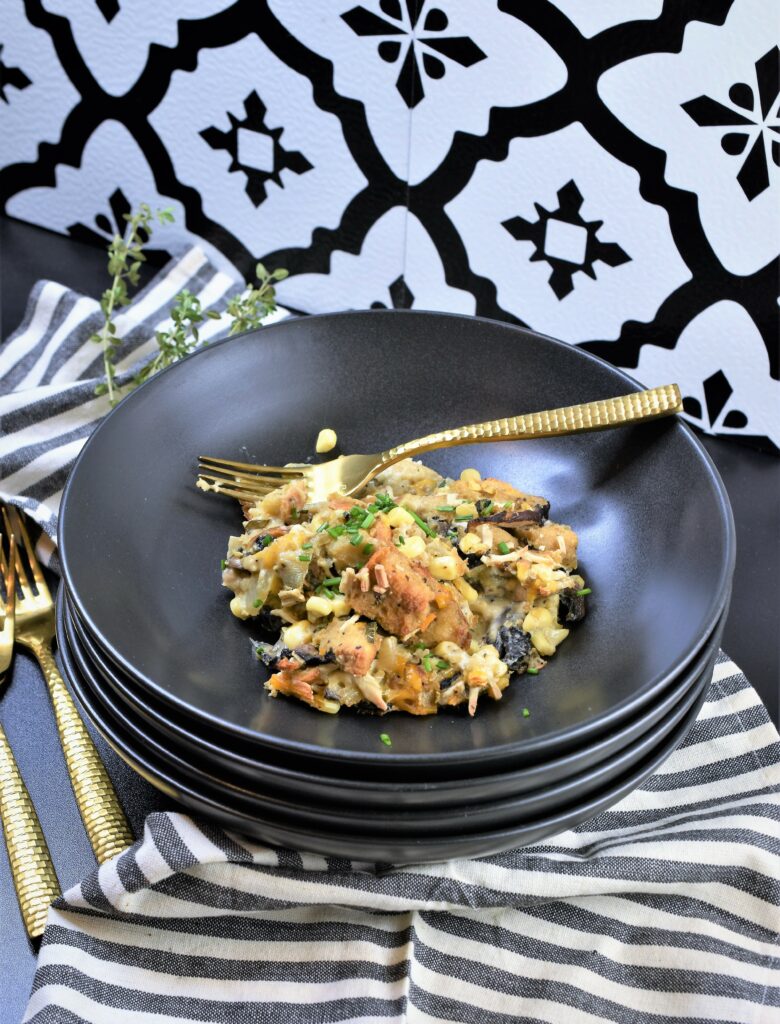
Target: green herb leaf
532,671
503,548
526,713
583,592
304,558
420,522
385,739
445,508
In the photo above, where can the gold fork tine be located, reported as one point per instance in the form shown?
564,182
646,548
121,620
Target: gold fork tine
285,472
20,529
8,569
262,483
232,492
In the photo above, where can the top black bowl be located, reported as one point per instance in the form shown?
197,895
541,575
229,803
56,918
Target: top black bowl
141,547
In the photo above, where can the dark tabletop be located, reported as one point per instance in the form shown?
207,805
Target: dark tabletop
752,635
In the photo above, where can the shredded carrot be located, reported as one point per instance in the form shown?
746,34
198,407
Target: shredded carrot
427,621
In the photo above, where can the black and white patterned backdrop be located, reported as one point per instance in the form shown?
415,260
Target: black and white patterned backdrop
603,171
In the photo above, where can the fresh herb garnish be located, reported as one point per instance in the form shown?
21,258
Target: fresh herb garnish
503,548
532,671
385,739
445,508
125,257
583,592
526,713
464,518
306,546
384,502
223,563
507,504
367,549
257,603
442,664
401,540
427,663
336,531
420,522
304,558
368,521
332,581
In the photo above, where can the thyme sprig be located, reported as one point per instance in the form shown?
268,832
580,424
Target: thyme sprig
181,339
248,310
125,256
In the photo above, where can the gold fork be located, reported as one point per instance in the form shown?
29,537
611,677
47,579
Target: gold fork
107,827
32,869
348,474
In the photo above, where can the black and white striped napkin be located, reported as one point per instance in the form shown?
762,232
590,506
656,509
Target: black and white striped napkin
664,909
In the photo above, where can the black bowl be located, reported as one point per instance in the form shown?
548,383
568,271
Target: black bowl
140,547
321,815
218,802
220,759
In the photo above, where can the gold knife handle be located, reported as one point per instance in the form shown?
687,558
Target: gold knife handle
35,879
107,827
570,419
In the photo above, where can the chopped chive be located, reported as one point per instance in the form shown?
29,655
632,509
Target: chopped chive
294,512
427,664
357,512
526,713
507,504
420,646
354,539
373,507
445,508
385,739
335,531
583,592
368,521
487,509
463,519
503,548
223,563
442,483
532,671
383,502
441,663
401,540
331,581
420,522
358,567
367,549
304,558
306,546
322,527
258,602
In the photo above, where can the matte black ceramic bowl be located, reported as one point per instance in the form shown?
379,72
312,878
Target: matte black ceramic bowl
302,812
217,803
141,547
223,760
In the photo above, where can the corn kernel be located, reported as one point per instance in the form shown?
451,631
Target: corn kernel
537,618
444,567
468,508
414,547
399,517
470,474
318,607
470,544
466,590
341,606
298,633
326,440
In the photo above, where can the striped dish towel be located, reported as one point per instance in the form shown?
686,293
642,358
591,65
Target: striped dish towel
664,909
49,369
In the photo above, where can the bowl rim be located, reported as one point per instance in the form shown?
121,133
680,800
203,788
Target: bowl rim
482,755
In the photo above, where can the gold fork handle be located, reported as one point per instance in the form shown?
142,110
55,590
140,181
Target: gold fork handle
570,419
102,814
35,879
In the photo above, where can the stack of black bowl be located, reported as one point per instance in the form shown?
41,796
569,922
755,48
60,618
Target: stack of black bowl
170,679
